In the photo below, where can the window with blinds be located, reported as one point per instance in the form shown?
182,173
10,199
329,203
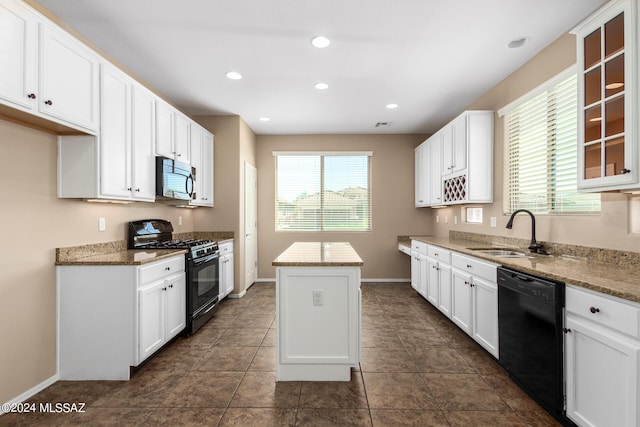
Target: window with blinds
323,191
541,140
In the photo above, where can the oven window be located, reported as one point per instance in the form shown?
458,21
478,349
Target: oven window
204,285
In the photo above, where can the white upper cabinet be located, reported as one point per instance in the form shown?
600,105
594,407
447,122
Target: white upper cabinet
143,138
202,162
456,163
18,55
454,146
119,164
608,152
68,78
422,183
173,133
45,71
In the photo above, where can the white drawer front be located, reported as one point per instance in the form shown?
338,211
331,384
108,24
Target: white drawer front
439,254
157,270
419,247
404,249
225,248
599,308
475,267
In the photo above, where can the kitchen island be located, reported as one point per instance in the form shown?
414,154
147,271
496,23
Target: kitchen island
318,307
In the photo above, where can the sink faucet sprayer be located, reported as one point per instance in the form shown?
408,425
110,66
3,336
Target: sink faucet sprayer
534,246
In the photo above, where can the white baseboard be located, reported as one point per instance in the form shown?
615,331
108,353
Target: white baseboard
29,393
240,295
363,280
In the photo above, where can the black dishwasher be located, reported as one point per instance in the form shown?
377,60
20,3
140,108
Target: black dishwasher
530,336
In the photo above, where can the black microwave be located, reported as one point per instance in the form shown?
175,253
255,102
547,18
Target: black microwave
174,179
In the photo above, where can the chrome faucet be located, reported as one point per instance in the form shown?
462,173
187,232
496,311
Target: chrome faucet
534,246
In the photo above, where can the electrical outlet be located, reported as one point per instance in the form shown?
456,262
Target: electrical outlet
446,219
437,219
455,219
180,220
494,221
102,224
317,298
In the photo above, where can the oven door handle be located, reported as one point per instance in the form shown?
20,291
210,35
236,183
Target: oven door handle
207,259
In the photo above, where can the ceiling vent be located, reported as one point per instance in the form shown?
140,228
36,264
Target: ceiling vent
383,124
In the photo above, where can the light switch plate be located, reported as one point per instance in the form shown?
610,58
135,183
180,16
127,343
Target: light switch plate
102,224
493,221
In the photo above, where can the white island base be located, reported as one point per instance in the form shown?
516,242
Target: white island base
318,320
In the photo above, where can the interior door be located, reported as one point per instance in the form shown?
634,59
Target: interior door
250,224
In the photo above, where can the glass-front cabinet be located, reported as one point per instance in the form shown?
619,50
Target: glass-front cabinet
607,112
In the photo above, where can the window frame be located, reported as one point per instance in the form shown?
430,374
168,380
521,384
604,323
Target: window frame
548,87
322,190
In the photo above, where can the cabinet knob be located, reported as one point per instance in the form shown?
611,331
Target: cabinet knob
436,254
167,268
171,286
179,155
594,310
469,265
624,170
31,96
138,190
566,330
471,284
129,189
466,283
48,102
164,289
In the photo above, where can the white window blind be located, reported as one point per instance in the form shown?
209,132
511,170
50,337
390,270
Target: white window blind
323,192
541,136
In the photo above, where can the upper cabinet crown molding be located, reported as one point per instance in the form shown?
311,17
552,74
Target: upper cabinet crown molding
607,56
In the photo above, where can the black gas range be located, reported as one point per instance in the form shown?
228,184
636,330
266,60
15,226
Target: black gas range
201,266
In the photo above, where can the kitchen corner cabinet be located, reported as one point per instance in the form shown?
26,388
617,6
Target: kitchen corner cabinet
202,161
45,71
459,168
119,164
226,269
140,309
602,357
172,133
607,52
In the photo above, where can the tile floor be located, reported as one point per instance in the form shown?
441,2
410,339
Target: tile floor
417,369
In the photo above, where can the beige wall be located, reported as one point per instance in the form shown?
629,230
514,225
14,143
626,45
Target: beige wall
393,211
616,227
34,222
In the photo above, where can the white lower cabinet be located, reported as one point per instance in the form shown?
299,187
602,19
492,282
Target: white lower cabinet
419,275
475,300
463,288
226,269
602,357
113,317
161,313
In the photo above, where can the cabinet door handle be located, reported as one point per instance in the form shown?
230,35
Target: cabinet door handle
625,170
594,310
566,330
31,96
48,102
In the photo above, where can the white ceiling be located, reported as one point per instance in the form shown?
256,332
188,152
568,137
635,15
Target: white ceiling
431,57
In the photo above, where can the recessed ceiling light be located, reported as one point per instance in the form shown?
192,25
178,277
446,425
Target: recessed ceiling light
321,86
392,106
233,75
519,42
265,119
614,86
320,41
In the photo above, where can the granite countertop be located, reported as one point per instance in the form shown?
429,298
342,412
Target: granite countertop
116,252
609,278
318,254
126,257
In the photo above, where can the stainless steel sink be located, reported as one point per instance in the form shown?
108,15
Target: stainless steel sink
501,253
